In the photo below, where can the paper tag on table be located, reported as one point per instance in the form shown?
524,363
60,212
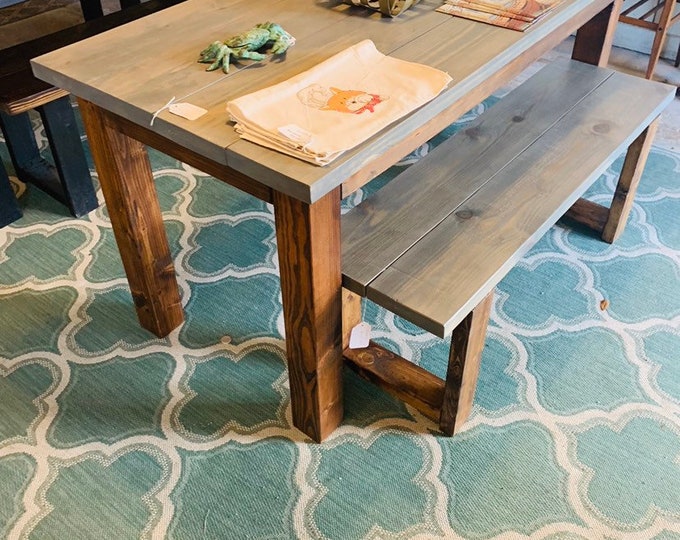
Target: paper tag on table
360,336
187,110
296,133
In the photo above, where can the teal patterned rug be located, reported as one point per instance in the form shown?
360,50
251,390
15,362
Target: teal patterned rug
109,432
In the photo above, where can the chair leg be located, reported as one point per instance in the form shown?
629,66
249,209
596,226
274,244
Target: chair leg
467,344
92,9
69,156
633,166
22,147
659,37
69,182
9,207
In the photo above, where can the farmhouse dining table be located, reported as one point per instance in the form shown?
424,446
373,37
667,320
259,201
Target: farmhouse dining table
123,77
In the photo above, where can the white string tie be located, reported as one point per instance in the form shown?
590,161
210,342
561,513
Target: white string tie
159,111
216,81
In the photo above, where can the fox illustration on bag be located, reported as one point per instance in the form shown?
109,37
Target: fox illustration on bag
338,100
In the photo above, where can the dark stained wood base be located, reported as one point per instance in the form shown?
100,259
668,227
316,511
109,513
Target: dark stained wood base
588,213
400,378
610,222
127,184
594,39
448,401
308,238
465,357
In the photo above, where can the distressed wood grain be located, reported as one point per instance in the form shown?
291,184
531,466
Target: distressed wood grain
308,238
400,378
127,184
435,283
465,357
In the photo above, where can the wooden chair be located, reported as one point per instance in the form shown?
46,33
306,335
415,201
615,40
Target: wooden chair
659,18
92,9
68,179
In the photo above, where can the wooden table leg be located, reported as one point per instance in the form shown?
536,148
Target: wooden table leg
127,183
594,39
308,237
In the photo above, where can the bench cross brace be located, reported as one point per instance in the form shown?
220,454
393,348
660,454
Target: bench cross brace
448,402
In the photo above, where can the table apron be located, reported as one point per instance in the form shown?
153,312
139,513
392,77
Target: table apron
167,146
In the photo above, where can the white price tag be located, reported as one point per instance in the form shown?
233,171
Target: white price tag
295,133
360,336
187,110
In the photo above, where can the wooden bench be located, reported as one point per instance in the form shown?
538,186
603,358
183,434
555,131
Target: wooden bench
433,243
68,180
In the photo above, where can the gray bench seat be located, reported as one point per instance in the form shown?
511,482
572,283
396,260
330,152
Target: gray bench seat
432,244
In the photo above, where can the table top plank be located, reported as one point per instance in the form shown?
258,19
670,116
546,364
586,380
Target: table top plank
477,53
153,66
135,69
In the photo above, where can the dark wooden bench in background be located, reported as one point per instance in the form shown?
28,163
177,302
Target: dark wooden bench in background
68,179
432,244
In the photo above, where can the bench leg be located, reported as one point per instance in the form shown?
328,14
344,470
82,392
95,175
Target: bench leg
351,314
467,344
610,222
633,166
69,156
449,401
9,207
445,401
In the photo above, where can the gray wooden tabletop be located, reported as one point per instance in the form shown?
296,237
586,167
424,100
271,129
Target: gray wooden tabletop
136,69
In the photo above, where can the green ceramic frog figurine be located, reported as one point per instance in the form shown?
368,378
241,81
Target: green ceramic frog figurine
245,46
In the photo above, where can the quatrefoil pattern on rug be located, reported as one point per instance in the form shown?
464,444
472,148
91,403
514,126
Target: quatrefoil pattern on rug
109,432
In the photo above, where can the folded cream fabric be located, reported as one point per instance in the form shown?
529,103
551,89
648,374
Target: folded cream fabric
320,113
